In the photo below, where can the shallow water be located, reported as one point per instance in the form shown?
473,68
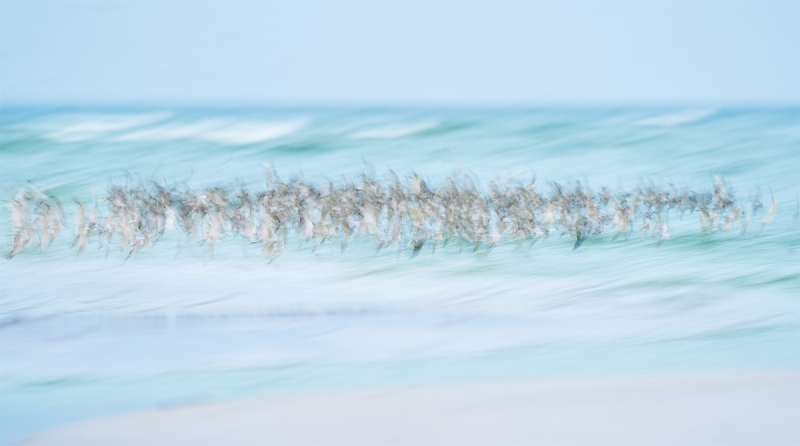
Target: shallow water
84,335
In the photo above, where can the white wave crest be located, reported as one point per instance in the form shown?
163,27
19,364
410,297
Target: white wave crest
169,132
679,118
250,133
217,130
393,132
75,128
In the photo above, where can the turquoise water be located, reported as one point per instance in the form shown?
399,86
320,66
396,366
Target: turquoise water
91,334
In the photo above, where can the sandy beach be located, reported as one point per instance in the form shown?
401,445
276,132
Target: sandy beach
729,409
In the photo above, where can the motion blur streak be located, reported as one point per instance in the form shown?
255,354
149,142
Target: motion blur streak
139,215
702,278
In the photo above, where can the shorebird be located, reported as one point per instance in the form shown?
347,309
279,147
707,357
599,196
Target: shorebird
388,212
85,226
583,229
665,235
771,212
24,238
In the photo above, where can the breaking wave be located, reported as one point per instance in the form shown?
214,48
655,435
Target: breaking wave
395,131
679,118
87,127
217,130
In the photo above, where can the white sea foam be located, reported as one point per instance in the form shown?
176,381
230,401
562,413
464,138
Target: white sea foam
396,131
168,132
253,132
678,118
217,130
74,128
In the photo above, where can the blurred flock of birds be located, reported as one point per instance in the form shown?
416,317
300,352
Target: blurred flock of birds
406,213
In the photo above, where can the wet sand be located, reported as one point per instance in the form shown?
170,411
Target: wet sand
723,409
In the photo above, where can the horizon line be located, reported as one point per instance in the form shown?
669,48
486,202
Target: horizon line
388,105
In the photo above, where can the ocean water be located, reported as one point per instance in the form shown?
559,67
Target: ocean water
90,334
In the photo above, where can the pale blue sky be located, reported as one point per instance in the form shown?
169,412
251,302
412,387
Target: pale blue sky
400,52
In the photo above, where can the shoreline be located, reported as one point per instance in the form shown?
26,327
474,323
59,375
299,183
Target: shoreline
721,408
